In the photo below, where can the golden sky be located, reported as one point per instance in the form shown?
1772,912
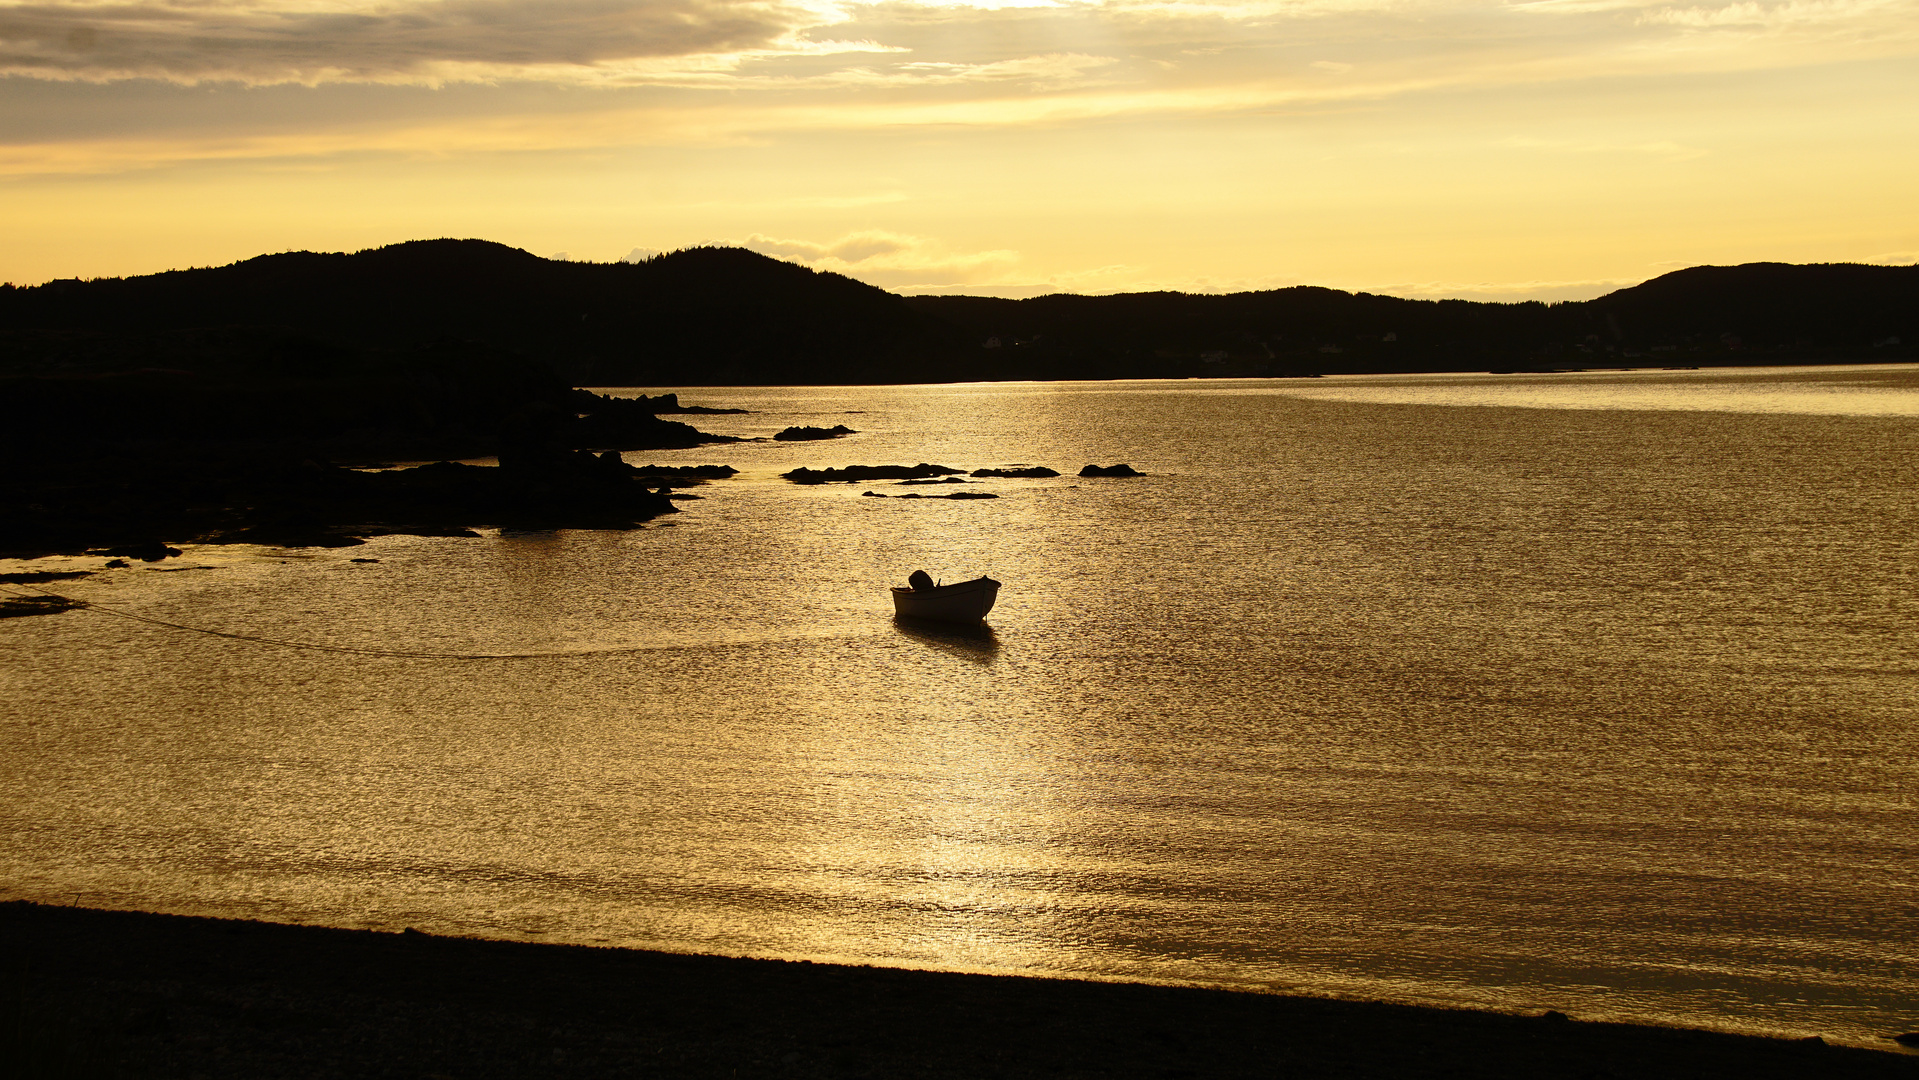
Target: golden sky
1547,148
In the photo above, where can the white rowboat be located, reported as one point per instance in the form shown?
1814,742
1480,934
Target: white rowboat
960,602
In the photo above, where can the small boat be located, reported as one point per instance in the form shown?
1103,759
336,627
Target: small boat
960,602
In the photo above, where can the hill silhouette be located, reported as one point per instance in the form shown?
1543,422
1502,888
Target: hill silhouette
718,316
1831,310
725,313
1758,313
212,402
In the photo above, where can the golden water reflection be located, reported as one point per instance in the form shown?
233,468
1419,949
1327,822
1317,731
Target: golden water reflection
1520,707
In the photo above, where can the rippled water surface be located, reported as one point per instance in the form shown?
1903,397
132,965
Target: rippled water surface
1587,692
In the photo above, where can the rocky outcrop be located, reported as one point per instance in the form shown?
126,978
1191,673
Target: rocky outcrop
670,403
148,551
923,495
690,472
810,434
602,422
105,458
568,491
681,476
1110,470
853,474
303,503
1032,472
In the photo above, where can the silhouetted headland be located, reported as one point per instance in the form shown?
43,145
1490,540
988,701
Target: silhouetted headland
95,993
253,445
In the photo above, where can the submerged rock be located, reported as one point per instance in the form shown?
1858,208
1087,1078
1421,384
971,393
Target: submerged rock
12,607
41,577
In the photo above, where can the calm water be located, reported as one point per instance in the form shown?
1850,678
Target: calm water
1586,692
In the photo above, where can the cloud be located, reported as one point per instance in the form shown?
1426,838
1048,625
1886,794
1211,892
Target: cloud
1509,292
840,202
1755,15
889,260
1050,71
400,139
775,44
980,5
852,248
1662,149
1056,69
444,40
774,68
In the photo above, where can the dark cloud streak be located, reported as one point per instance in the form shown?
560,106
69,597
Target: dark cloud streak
45,110
425,42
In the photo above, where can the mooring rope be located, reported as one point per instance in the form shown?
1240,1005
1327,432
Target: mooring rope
405,654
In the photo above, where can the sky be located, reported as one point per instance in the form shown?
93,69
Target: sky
1537,149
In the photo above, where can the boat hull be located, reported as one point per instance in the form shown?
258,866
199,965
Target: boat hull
960,602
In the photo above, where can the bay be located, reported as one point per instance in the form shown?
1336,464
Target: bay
1591,691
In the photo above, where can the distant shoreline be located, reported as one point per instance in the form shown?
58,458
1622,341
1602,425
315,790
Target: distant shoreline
736,317
132,994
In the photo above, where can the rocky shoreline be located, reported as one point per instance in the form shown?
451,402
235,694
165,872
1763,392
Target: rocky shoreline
120,994
125,463
136,511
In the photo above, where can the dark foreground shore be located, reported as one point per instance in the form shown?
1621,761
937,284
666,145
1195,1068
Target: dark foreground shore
96,993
